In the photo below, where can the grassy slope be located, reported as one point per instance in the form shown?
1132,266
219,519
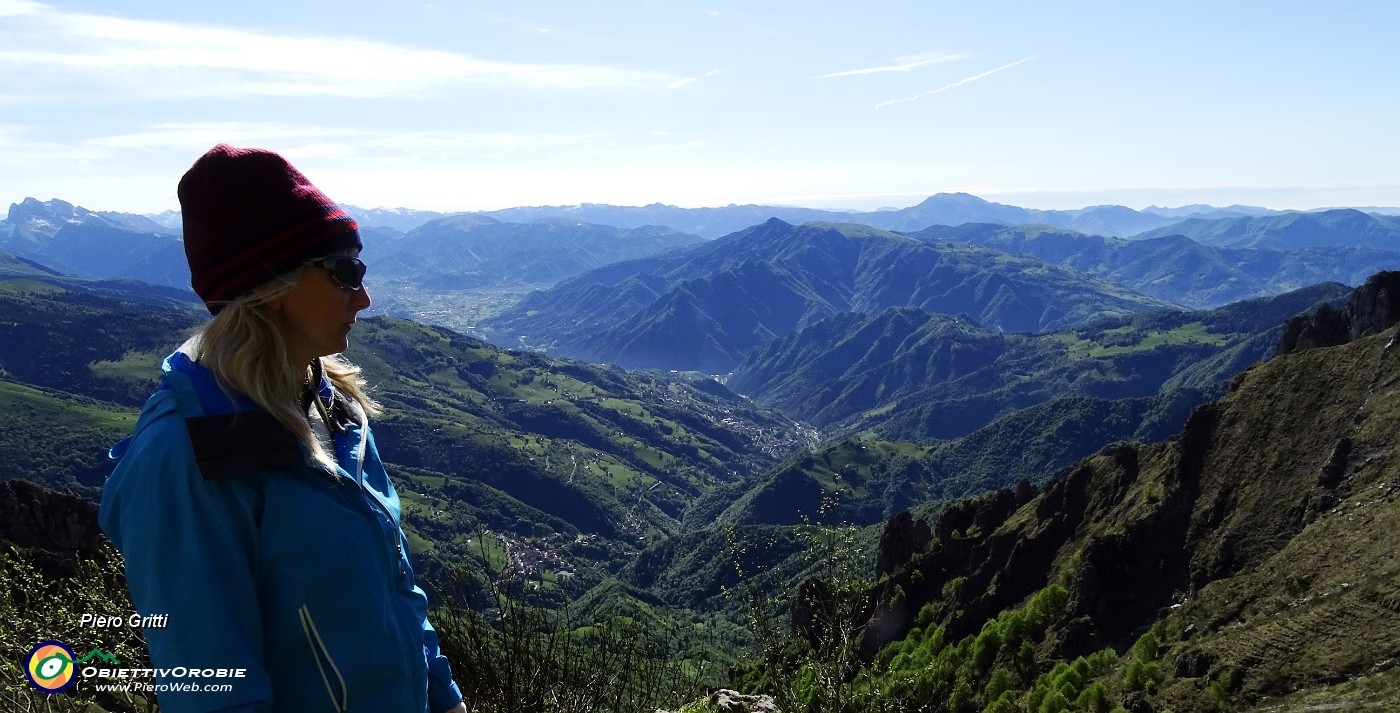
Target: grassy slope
58,439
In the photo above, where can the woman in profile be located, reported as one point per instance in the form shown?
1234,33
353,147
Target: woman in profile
250,503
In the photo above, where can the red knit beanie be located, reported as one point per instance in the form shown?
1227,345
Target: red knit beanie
251,216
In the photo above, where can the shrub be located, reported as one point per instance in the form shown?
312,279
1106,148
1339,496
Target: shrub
522,657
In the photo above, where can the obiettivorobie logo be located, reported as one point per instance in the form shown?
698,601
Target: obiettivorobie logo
52,666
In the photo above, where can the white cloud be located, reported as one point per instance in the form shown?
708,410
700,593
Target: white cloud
9,8
180,143
202,135
172,59
339,142
639,148
902,64
954,85
691,80
137,170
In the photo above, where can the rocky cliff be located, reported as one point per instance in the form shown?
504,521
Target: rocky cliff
1258,543
54,528
1372,308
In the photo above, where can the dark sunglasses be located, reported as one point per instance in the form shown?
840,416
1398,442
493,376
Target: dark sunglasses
348,272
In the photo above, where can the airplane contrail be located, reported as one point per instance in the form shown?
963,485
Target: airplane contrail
956,84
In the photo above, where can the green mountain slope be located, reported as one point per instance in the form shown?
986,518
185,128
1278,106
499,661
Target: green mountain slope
910,375
704,307
55,565
58,438
555,474
866,480
81,338
611,452
1023,414
575,463
1243,562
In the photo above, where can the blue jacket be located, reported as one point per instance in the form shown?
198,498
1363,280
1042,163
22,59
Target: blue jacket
266,560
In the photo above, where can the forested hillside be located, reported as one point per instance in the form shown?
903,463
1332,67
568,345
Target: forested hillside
706,307
909,374
1244,565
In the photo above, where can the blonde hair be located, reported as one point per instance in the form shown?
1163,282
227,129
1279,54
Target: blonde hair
244,348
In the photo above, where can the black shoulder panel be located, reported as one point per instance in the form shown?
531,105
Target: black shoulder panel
235,445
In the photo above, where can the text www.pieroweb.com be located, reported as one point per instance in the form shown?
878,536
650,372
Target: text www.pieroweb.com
139,680
149,687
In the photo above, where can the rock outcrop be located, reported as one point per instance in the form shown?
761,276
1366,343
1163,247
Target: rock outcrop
1373,308
727,701
56,528
34,516
903,537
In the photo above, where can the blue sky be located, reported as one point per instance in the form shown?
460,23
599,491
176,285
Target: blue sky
474,105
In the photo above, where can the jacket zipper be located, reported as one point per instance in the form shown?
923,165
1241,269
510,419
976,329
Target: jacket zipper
324,660
397,554
375,503
360,480
380,509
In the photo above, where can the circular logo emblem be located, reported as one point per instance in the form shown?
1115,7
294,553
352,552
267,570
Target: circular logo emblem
50,666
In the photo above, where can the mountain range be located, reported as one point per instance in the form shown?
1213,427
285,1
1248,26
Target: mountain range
1190,256
74,240
449,253
939,209
705,307
927,410
470,251
1203,272
1290,231
1245,564
908,374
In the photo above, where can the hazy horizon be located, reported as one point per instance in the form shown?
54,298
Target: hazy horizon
1143,208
